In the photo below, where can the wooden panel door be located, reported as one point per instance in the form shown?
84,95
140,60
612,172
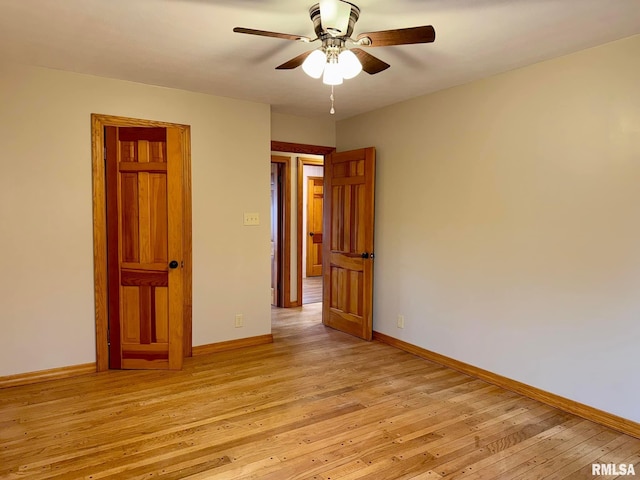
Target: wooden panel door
314,225
145,247
348,244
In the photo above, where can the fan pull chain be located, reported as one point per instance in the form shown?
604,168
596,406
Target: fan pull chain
333,110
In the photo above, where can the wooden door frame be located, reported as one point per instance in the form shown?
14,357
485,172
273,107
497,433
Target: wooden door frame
305,149
98,123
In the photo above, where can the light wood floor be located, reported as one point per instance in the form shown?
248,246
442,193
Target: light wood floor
311,290
315,404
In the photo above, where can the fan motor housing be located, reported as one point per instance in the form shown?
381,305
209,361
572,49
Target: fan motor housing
314,13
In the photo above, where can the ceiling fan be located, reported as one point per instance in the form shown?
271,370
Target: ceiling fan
339,56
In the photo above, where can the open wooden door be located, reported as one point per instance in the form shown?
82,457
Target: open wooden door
145,247
348,241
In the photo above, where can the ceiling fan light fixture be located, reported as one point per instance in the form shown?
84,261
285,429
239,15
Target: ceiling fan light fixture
332,74
333,23
350,66
314,64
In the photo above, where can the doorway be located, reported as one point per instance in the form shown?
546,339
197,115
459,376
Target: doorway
281,231
348,252
310,218
298,155
276,234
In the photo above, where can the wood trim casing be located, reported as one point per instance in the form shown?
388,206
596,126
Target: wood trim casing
286,260
232,344
300,171
610,420
98,124
187,222
303,148
46,375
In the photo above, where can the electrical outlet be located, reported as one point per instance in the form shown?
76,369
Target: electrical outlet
400,321
239,320
251,218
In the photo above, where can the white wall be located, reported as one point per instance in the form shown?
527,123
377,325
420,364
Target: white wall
310,131
507,223
46,292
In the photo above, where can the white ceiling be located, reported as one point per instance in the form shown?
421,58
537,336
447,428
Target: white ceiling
189,44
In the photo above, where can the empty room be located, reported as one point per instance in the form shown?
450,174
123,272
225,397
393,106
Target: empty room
324,240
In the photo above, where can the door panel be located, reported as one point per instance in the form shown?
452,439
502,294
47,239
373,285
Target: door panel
144,171
348,245
315,195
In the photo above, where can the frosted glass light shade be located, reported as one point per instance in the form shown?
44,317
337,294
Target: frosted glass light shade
314,64
334,16
332,74
350,66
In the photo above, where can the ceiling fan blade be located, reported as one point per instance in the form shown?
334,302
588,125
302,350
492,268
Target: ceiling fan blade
400,36
264,33
370,64
334,16
294,62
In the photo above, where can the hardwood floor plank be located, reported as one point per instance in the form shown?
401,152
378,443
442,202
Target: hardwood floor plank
539,454
315,404
586,460
311,290
626,450
560,465
499,462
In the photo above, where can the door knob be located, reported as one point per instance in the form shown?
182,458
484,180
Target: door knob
365,255
173,264
311,234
